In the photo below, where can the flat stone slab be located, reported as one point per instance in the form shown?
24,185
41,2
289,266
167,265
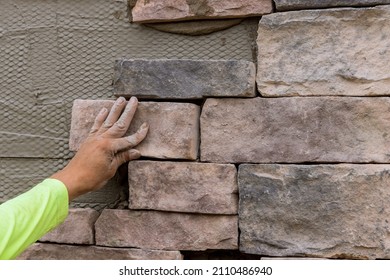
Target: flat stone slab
284,5
324,52
181,78
183,187
166,230
46,251
330,211
296,130
179,10
78,228
173,131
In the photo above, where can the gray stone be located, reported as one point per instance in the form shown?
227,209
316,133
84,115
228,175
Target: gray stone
78,228
46,251
196,27
330,211
284,5
316,129
178,10
181,78
183,187
325,52
173,132
166,231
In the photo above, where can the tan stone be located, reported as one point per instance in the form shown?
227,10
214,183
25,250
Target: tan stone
284,5
324,52
183,187
78,228
45,251
316,129
165,230
173,132
177,10
328,211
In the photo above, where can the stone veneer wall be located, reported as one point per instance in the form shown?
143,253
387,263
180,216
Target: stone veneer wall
285,157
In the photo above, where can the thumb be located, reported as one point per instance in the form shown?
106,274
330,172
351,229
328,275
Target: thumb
122,157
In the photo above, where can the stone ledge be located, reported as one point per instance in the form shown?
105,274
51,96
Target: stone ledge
179,10
296,130
45,251
166,231
173,133
183,187
183,78
78,228
324,52
328,211
285,5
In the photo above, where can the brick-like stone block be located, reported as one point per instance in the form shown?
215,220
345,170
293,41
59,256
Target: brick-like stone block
183,187
173,132
330,211
78,228
46,251
316,129
166,230
324,52
178,10
284,5
182,78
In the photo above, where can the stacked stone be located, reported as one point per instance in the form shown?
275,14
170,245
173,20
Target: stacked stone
189,204
312,146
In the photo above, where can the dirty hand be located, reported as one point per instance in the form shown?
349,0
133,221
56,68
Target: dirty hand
104,150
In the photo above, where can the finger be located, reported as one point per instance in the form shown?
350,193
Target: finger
114,114
122,125
131,141
99,120
125,156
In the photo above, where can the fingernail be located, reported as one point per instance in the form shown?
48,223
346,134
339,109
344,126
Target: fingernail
135,153
133,100
121,100
103,111
144,126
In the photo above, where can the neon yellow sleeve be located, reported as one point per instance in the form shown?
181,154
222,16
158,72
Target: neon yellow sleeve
29,216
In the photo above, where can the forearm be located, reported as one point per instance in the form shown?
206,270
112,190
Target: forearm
26,218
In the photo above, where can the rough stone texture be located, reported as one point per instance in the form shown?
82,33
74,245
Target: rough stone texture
325,52
178,10
78,228
173,132
317,129
284,5
183,78
196,27
289,258
166,231
41,251
183,187
331,211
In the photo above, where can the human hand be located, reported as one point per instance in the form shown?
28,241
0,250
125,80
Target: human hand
104,150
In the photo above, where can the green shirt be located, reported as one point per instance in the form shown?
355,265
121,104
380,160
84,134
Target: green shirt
29,216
